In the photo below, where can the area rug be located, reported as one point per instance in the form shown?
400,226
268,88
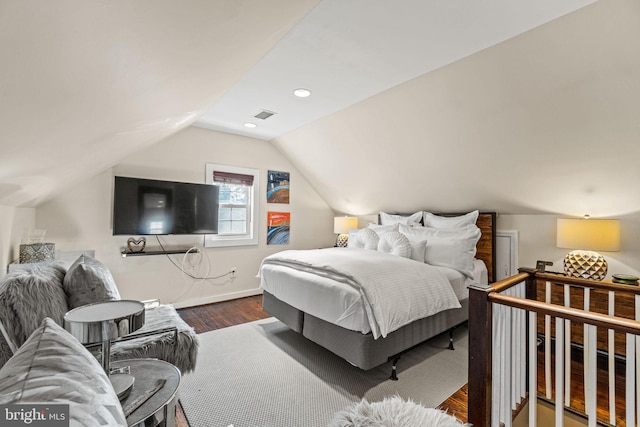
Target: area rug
262,374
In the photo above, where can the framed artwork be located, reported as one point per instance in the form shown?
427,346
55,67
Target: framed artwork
277,187
278,224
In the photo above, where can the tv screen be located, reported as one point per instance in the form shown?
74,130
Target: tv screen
147,206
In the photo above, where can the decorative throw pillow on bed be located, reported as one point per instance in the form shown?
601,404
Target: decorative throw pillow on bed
52,367
89,281
417,240
379,229
395,243
437,221
388,219
364,238
452,247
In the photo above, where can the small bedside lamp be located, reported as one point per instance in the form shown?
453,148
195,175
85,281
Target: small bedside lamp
586,236
341,226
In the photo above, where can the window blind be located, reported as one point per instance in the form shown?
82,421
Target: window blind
232,178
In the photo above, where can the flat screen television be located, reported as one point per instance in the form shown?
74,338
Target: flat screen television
148,207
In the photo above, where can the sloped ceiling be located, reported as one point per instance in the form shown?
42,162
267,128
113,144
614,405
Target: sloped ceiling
546,122
83,84
347,51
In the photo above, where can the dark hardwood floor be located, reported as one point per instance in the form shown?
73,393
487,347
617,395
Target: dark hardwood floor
220,315
229,313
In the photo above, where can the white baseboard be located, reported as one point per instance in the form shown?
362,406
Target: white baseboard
217,298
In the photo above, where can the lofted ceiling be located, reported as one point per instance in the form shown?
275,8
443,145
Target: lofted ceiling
84,85
545,122
347,51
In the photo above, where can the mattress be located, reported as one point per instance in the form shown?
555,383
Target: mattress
333,302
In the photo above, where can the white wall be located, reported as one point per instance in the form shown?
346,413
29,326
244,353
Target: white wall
82,219
13,222
537,241
543,123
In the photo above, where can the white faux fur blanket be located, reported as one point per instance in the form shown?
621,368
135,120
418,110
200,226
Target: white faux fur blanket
393,412
182,354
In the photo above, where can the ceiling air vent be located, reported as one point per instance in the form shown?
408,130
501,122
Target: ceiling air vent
264,114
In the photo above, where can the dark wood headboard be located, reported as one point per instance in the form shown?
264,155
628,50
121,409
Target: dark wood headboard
486,247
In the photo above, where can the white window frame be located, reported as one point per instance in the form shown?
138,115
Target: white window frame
251,238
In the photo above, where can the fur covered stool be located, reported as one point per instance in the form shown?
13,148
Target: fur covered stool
393,412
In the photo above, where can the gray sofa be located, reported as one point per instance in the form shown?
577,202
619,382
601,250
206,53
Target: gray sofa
48,290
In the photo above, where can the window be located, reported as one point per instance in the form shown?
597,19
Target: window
238,205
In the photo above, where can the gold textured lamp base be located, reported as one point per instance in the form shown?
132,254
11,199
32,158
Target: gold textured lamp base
342,240
585,264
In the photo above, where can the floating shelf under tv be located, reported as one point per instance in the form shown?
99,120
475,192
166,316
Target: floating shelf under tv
125,253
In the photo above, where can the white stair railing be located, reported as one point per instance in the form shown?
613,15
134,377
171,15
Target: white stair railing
514,330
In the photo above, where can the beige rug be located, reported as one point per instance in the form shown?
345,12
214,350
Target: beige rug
262,374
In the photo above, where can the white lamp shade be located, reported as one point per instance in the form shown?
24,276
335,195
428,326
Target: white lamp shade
589,234
342,224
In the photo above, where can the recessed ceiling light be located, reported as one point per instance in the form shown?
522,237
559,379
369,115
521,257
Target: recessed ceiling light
250,125
302,93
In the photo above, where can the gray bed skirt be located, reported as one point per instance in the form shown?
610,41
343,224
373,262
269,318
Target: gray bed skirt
360,349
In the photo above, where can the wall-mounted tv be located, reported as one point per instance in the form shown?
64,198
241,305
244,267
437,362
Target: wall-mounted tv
147,207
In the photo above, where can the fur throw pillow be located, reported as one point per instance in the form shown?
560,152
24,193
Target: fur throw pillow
27,296
89,281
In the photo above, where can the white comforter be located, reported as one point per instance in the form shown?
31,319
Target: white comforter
395,290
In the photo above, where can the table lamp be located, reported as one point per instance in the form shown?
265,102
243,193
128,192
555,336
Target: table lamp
586,236
341,226
103,322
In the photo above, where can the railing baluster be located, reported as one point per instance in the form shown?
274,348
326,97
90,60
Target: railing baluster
547,343
611,350
518,364
508,380
567,348
559,372
497,362
523,345
533,369
585,354
630,380
591,396
515,355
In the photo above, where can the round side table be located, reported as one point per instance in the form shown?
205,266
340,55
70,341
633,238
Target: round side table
160,409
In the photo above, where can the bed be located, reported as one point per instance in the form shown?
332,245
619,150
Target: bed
325,307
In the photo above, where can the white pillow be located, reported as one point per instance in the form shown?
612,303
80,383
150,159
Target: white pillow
437,221
379,229
364,238
449,247
417,240
388,219
395,243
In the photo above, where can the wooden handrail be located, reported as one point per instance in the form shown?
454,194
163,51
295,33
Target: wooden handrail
605,285
602,320
507,283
